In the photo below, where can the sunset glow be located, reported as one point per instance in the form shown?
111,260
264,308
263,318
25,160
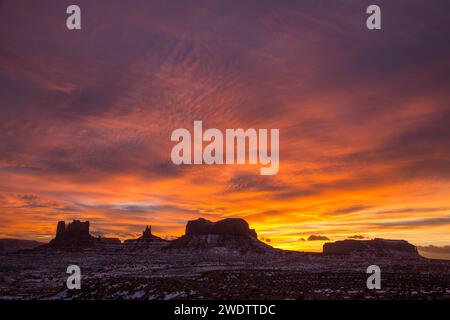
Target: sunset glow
364,120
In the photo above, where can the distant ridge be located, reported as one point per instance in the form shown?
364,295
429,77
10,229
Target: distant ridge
14,245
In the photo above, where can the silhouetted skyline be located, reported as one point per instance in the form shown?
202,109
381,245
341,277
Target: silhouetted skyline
86,118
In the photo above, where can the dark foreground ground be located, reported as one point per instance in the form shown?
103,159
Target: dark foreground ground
151,274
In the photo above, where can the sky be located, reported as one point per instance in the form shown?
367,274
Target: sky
86,117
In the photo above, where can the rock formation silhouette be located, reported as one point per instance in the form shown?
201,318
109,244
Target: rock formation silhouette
146,239
228,236
75,234
377,246
230,226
